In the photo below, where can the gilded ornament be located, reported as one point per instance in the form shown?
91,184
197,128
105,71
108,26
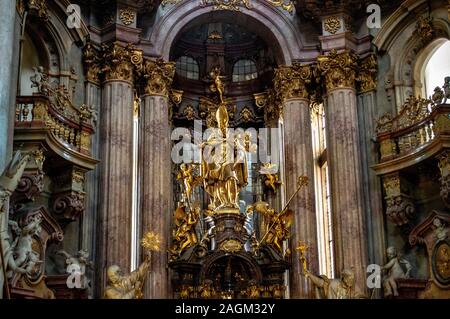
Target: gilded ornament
292,81
92,60
260,99
127,16
85,141
78,176
399,207
39,157
367,74
39,111
117,63
339,69
215,35
287,5
388,149
272,180
231,5
302,248
159,75
184,234
332,24
246,115
424,28
176,96
38,7
231,246
189,112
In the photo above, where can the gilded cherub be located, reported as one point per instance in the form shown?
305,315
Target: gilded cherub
272,180
395,270
185,235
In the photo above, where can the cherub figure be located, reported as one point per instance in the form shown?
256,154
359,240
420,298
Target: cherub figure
395,270
78,263
439,231
39,80
20,256
437,96
446,88
272,180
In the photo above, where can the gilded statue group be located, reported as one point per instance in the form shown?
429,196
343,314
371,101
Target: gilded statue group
222,173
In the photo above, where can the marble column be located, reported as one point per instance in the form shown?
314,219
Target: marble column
7,84
8,68
116,145
92,185
155,167
299,161
346,169
367,112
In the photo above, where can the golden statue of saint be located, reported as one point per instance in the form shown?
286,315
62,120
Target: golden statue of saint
224,164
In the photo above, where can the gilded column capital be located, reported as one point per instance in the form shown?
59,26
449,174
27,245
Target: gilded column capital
121,63
35,7
92,63
159,75
338,69
292,81
367,74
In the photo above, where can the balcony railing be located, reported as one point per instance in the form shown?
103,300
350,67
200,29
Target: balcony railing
36,112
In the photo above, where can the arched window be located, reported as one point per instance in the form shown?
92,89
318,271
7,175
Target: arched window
187,67
437,68
244,70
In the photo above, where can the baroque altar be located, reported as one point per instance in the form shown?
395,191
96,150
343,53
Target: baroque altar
225,249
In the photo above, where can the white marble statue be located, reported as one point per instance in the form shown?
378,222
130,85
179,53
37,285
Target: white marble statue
20,256
79,264
396,268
